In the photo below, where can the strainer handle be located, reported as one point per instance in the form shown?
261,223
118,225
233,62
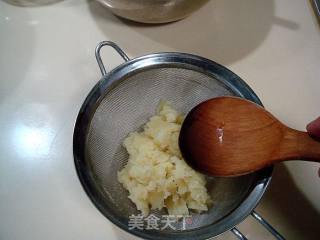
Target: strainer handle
264,223
115,47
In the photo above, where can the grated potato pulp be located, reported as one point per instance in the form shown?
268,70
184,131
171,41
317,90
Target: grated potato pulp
156,176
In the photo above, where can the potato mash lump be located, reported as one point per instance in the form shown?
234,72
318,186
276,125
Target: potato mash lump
156,175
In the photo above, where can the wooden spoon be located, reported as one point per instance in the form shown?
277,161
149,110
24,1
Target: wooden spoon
229,136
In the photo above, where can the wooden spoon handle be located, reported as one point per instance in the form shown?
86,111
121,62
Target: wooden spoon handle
298,145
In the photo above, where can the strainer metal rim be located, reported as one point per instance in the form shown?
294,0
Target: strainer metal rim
133,66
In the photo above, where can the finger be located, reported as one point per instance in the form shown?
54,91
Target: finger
313,128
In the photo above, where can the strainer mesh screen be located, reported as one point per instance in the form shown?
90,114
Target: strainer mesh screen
125,108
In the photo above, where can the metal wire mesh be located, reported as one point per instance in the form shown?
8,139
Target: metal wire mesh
125,108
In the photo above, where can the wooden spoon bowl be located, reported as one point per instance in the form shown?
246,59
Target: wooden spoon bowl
230,136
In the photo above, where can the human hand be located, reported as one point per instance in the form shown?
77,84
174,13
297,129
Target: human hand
313,129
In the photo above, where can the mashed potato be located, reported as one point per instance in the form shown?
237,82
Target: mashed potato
156,176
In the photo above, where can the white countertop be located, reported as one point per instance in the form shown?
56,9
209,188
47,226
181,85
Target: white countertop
47,68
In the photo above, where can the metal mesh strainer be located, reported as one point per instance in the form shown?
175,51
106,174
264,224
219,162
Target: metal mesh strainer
121,102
